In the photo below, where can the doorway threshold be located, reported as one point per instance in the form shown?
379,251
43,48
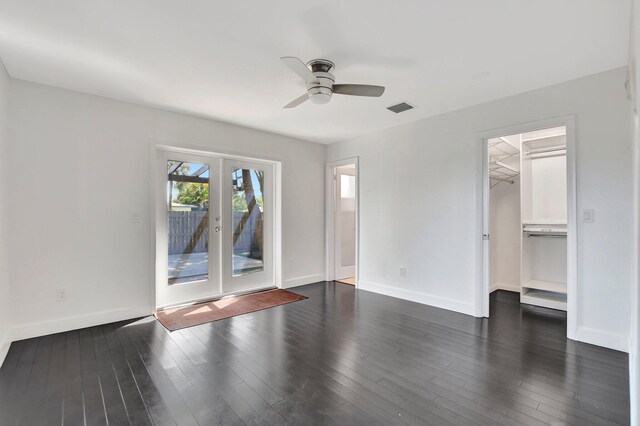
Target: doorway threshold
217,297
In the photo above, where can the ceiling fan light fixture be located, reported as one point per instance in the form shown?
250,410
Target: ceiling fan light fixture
320,99
320,95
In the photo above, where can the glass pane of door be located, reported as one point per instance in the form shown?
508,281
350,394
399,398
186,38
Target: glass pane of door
187,221
247,221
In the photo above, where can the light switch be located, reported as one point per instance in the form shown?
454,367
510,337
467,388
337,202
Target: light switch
588,216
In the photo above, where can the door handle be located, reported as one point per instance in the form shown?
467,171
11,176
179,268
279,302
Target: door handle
217,228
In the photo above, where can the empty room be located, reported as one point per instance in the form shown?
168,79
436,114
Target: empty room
338,213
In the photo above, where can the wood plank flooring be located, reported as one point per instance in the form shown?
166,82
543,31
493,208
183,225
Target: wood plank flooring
343,357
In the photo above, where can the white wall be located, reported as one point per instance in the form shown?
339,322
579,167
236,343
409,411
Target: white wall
418,201
504,229
5,316
82,168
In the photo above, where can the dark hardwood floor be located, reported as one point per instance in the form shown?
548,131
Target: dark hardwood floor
340,357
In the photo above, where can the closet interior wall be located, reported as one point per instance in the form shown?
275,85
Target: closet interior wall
504,213
504,269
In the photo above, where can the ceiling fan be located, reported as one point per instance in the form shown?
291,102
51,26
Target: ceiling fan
317,73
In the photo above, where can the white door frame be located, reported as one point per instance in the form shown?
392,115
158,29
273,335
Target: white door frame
330,217
156,150
481,293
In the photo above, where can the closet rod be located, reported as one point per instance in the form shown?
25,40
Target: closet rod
501,179
544,150
545,236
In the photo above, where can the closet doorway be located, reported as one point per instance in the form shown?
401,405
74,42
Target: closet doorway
529,217
342,229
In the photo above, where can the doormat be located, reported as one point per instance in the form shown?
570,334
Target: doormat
188,316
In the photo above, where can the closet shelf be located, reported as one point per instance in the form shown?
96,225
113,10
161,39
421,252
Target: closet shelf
546,299
553,136
546,285
551,151
502,167
550,230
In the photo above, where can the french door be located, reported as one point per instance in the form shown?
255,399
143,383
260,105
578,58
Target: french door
247,238
214,227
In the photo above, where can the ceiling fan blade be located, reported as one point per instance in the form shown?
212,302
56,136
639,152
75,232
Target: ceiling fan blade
297,66
297,101
358,90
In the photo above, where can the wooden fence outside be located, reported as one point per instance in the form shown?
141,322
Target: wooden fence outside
189,232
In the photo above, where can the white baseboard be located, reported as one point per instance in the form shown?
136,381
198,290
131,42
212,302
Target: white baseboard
619,342
306,279
503,286
419,297
634,381
43,328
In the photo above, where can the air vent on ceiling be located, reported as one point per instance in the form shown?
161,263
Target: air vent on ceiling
401,107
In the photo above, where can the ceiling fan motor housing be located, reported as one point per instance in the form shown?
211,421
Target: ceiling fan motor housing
320,91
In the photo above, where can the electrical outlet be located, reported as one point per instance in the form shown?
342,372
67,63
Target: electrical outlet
61,294
588,215
403,271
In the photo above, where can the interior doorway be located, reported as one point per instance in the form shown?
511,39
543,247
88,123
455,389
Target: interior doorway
342,229
529,217
345,219
215,223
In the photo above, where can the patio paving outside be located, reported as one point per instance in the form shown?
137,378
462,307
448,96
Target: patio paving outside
195,266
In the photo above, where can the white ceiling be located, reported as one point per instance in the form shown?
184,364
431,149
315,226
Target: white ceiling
221,59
